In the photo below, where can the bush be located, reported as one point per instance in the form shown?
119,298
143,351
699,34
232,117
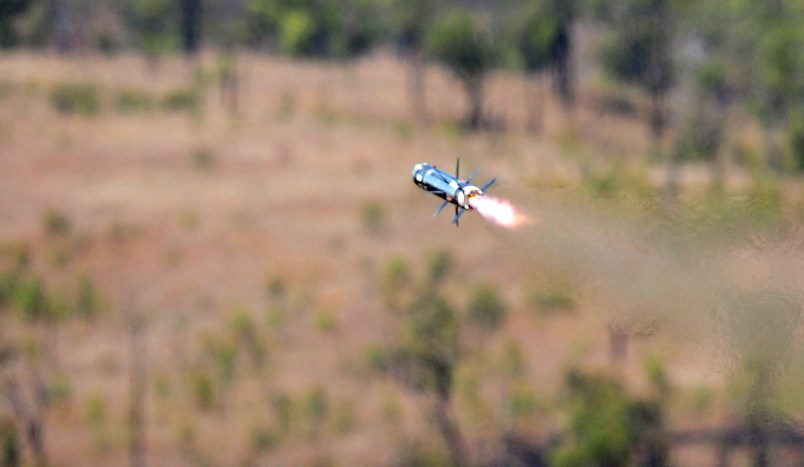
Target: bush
10,454
297,33
284,411
76,98
203,159
87,302
30,299
325,319
396,277
316,405
276,288
373,216
487,307
204,391
555,299
439,265
134,100
95,410
182,100
57,223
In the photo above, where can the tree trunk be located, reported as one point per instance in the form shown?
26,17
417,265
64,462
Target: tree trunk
474,94
450,433
416,86
534,102
191,26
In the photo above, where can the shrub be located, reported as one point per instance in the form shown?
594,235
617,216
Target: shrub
76,98
395,277
134,100
487,308
8,286
325,319
439,265
56,223
373,215
555,299
182,100
30,299
203,159
204,391
276,288
87,302
343,417
284,411
262,439
316,405
95,410
10,454
297,33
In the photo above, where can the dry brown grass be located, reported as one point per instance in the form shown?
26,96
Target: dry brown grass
282,197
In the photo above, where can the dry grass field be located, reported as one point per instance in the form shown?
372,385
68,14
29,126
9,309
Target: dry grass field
254,243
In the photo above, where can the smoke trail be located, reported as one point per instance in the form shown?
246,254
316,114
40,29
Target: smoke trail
499,211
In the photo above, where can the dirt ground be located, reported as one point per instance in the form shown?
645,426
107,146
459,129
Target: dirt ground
186,218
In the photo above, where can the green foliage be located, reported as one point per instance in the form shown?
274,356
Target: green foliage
316,28
95,410
537,35
431,345
396,277
183,100
795,140
316,406
156,24
514,363
263,439
204,391
56,223
203,159
276,288
373,215
87,302
8,286
297,33
463,45
30,299
134,100
10,450
325,319
344,417
284,411
76,98
246,334
9,10
599,423
487,307
60,389
523,403
553,299
440,264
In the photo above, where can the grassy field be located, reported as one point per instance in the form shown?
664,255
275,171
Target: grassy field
254,244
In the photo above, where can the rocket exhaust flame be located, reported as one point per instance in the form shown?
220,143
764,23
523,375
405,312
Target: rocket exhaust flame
497,210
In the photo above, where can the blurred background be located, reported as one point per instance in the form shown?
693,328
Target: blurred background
211,251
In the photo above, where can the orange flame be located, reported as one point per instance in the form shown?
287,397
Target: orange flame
499,211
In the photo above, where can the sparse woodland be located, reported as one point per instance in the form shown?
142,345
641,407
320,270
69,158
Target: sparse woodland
211,252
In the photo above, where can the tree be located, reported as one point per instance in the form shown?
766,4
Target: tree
534,41
191,25
413,19
461,43
10,9
639,52
153,22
